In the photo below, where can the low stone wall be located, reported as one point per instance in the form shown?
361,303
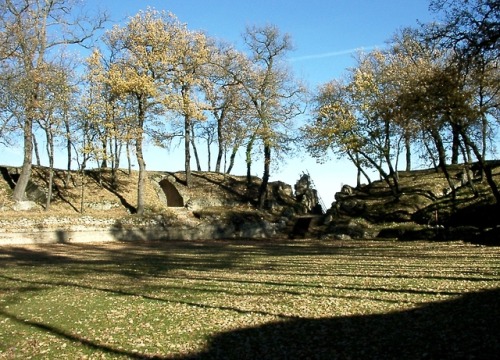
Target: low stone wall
86,229
55,230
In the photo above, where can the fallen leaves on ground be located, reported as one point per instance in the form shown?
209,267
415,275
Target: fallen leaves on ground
176,299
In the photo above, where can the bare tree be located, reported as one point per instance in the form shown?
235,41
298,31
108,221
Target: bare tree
56,93
227,102
31,31
276,97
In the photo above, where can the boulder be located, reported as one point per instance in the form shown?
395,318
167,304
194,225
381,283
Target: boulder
24,206
352,207
351,229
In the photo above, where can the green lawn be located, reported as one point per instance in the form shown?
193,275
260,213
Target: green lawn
250,300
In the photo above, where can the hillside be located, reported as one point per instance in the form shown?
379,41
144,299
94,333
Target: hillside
216,205
423,209
94,193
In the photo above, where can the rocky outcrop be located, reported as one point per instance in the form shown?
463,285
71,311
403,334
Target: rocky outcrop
421,210
208,190
33,192
25,205
346,228
379,206
212,190
307,196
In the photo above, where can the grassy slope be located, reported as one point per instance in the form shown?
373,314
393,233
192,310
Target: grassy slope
68,195
122,198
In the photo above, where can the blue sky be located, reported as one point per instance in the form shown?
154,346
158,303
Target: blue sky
326,34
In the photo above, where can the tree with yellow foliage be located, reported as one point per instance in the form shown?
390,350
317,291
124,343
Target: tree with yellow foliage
140,71
335,127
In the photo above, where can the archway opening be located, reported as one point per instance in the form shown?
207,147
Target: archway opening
174,199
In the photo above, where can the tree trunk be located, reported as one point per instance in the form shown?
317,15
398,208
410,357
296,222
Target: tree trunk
355,160
50,154
408,152
82,174
221,144
358,177
140,157
51,183
195,149
104,161
392,172
37,152
231,158
68,151
484,134
142,177
387,155
24,177
394,175
430,153
265,177
187,153
114,161
114,181
483,165
196,156
467,170
249,160
442,160
218,162
129,159
384,176
82,167
187,135
209,156
441,152
82,188
455,146
118,152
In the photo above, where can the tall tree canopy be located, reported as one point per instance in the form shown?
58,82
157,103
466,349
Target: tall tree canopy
435,88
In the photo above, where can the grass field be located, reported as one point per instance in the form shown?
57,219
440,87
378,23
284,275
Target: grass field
250,300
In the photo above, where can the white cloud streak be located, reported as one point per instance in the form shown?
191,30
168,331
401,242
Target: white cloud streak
334,53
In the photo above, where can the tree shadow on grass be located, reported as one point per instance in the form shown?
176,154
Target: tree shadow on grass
148,257
464,328
78,339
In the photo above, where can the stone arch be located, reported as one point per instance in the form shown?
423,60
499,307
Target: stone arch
174,198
